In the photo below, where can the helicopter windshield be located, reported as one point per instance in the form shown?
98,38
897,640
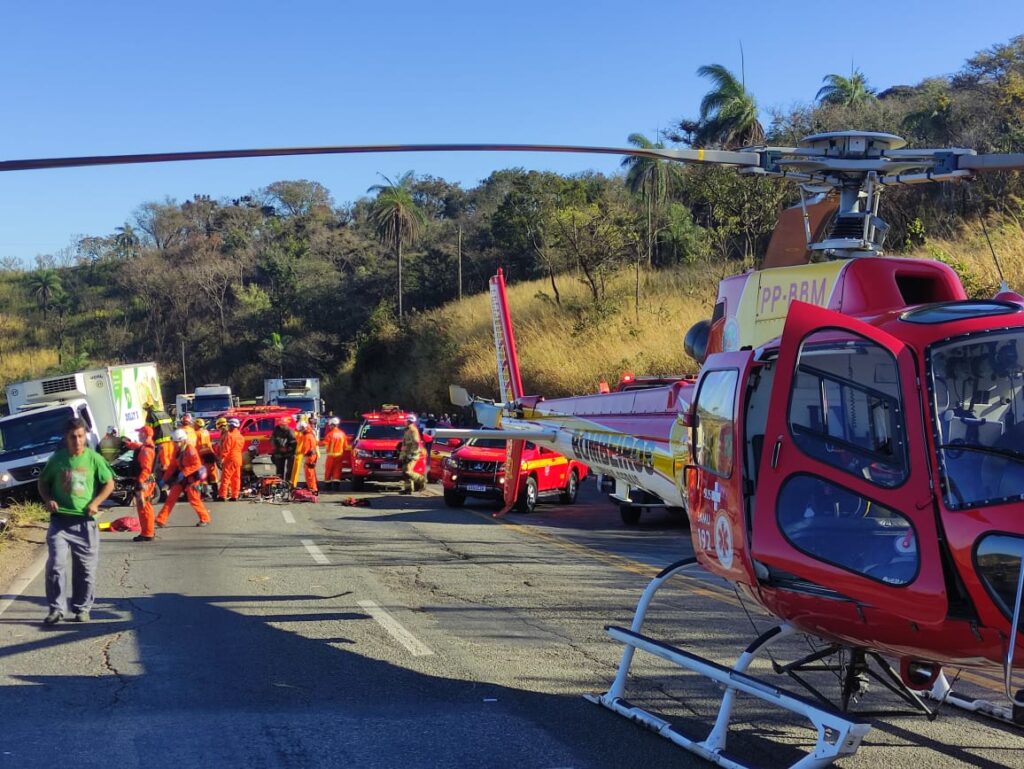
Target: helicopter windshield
977,388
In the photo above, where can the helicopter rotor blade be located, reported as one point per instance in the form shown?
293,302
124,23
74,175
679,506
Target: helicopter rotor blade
719,157
993,162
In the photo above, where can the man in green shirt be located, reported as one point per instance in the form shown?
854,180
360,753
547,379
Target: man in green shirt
73,485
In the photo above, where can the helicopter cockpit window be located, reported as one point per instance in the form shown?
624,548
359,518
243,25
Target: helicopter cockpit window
976,384
713,422
837,526
845,408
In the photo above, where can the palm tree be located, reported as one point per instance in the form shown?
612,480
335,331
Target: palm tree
650,180
396,218
851,91
728,112
126,240
45,286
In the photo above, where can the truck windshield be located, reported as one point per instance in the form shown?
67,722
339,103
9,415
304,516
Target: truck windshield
306,405
488,443
382,432
977,391
205,404
40,431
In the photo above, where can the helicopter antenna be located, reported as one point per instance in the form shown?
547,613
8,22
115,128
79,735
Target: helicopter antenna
743,68
1003,285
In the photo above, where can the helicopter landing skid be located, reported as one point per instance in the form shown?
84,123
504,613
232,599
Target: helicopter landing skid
838,734
943,693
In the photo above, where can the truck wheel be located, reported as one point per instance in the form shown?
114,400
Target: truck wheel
454,498
630,515
572,488
358,482
527,501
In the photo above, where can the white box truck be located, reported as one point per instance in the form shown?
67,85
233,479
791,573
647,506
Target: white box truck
210,401
40,408
303,394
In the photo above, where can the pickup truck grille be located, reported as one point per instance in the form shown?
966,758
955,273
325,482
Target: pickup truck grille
473,466
28,472
384,454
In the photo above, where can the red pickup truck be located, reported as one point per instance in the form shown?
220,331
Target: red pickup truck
477,469
375,450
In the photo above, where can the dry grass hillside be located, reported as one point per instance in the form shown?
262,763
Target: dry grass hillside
570,349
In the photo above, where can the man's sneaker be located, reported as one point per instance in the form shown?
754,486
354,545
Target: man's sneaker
234,499
53,617
82,616
203,523
141,538
160,525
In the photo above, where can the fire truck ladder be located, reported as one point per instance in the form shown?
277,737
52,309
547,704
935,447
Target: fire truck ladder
838,734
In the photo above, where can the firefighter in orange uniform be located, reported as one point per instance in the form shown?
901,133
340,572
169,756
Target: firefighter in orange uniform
190,431
185,472
306,455
207,453
231,446
162,427
336,444
142,465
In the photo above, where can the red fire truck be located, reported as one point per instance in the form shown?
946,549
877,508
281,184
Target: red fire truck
375,451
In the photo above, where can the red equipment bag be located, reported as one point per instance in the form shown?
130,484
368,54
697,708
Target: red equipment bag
303,495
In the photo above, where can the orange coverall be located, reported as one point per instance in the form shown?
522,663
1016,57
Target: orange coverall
190,431
187,462
165,453
306,453
231,446
145,486
207,453
336,444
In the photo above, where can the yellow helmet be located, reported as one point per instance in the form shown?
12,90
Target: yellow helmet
221,423
200,422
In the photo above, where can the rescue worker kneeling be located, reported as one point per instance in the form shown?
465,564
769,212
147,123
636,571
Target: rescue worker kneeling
186,471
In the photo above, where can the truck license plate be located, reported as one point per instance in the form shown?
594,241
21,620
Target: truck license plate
475,487
388,466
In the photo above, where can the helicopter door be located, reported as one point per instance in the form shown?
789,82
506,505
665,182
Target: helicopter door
843,494
715,492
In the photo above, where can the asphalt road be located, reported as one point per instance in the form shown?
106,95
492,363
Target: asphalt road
402,634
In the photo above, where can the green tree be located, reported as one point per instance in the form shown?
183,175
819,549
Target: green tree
126,241
851,91
728,112
396,218
45,286
651,180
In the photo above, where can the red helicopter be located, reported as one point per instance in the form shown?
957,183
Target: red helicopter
850,456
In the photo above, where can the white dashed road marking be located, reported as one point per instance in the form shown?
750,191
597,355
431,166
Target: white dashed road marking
288,517
315,551
394,628
17,587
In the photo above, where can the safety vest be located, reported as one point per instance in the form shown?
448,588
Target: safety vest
162,425
110,447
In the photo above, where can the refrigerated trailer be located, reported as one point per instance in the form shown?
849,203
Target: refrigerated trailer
102,397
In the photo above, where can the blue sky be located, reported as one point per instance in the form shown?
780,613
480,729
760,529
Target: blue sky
107,78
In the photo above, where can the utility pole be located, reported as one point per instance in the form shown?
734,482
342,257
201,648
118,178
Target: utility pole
460,260
184,381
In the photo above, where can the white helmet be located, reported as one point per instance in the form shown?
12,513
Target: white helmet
179,435
233,422
335,421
